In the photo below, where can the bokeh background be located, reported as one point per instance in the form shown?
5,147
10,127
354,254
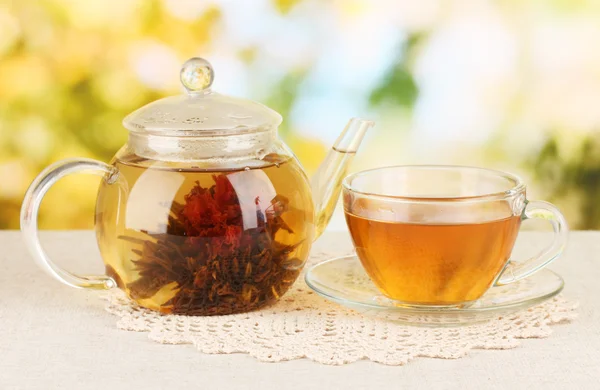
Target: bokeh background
513,85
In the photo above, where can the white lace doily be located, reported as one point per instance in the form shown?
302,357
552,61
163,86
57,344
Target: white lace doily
304,325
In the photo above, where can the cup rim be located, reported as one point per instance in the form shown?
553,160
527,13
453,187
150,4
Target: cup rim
517,188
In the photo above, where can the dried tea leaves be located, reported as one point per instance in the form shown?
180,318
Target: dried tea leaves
214,264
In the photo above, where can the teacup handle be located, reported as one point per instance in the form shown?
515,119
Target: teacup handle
540,210
29,216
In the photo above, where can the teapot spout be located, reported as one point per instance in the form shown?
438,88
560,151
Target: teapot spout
327,182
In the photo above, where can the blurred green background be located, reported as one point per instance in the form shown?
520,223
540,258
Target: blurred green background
504,84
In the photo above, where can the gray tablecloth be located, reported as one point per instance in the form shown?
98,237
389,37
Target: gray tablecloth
56,337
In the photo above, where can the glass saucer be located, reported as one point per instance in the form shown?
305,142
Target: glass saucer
343,280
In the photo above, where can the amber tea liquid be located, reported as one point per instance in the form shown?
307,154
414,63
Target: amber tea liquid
196,241
429,263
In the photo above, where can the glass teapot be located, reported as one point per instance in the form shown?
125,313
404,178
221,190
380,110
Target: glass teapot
204,211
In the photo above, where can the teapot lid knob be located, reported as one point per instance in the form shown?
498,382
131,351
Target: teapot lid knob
196,75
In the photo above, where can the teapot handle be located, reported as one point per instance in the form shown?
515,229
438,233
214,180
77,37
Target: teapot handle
29,215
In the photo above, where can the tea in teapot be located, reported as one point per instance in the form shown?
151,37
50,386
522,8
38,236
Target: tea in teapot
207,242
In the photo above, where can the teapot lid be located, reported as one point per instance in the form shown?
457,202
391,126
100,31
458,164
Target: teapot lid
201,111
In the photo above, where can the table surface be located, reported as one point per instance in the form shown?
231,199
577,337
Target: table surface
54,336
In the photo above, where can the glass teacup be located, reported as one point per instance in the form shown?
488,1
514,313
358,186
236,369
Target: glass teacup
443,235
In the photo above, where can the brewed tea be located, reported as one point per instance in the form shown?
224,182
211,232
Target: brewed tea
437,264
204,242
